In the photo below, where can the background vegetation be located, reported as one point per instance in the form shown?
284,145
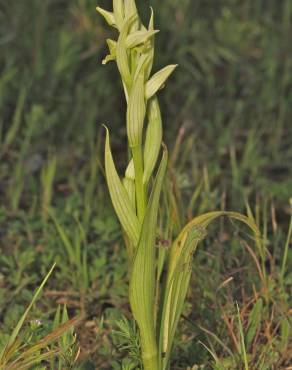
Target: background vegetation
227,117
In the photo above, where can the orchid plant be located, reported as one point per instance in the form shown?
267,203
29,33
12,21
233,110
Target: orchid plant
156,299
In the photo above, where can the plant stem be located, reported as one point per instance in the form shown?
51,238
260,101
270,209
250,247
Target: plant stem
140,191
150,358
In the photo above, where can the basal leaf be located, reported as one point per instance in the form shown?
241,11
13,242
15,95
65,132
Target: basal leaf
142,283
179,271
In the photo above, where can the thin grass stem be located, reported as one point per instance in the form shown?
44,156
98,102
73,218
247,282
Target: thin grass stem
286,249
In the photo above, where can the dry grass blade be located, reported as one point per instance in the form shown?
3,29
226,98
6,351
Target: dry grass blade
4,356
27,364
51,337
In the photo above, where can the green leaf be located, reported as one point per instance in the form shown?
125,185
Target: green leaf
285,330
179,271
158,79
142,283
119,197
16,121
178,278
136,111
150,52
129,186
242,342
153,139
254,321
64,238
57,318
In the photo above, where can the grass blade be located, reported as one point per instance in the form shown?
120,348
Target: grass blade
16,330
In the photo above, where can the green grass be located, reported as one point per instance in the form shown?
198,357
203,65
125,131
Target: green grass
227,122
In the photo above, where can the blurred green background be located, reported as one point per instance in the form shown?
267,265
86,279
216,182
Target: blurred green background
232,90
227,117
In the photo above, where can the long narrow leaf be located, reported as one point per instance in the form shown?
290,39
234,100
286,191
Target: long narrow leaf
136,112
64,238
142,284
119,197
179,272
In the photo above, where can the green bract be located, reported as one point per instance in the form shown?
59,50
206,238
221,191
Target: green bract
157,81
156,305
153,139
136,111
